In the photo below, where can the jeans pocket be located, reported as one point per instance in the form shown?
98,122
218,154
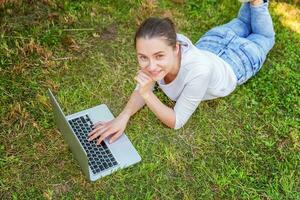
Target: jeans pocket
212,42
215,35
252,52
212,39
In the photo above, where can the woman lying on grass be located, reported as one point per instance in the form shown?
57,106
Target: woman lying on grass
226,56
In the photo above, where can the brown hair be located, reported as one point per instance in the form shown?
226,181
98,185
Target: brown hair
157,27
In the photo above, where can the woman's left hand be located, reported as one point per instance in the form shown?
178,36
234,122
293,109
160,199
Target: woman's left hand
145,83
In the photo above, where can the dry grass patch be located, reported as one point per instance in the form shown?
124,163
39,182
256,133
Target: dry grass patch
147,8
289,16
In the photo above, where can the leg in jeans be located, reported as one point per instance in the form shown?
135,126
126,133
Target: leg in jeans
259,42
242,24
262,27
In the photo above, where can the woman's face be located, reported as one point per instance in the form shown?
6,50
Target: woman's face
156,57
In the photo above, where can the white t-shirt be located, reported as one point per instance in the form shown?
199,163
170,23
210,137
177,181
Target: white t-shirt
202,76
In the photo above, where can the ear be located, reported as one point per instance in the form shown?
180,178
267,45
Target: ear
177,48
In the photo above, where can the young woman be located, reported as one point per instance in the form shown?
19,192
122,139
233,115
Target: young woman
226,56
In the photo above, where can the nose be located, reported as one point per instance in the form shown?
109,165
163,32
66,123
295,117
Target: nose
151,65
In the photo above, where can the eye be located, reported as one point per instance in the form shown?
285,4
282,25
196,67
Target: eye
143,58
159,56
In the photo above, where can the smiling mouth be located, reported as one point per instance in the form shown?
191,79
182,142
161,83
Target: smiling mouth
155,73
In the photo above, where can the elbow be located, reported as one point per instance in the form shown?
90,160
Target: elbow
171,127
178,124
171,123
177,127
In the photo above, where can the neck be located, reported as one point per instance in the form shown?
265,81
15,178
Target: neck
175,69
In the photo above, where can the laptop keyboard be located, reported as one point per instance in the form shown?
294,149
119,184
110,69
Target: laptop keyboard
100,157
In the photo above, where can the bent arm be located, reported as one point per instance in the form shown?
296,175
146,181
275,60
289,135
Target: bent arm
186,104
161,111
116,127
135,103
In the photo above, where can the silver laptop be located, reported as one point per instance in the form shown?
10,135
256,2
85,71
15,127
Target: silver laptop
96,161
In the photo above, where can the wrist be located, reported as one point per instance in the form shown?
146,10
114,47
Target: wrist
146,94
125,114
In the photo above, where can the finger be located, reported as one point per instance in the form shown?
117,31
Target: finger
115,137
145,72
102,137
141,79
94,131
97,134
139,71
98,123
145,76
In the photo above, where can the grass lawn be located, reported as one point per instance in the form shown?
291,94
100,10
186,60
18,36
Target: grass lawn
243,146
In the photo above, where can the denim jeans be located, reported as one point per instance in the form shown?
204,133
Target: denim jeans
244,42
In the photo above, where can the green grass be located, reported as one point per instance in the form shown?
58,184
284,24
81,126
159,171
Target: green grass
244,146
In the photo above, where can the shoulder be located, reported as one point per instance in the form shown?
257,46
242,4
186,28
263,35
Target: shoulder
185,42
190,53
193,62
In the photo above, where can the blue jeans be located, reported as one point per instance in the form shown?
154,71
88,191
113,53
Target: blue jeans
244,42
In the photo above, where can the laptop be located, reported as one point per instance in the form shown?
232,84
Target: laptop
96,161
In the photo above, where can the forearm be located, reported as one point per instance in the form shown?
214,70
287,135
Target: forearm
162,112
135,103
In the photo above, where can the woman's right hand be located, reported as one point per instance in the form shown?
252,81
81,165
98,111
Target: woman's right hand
113,128
145,82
